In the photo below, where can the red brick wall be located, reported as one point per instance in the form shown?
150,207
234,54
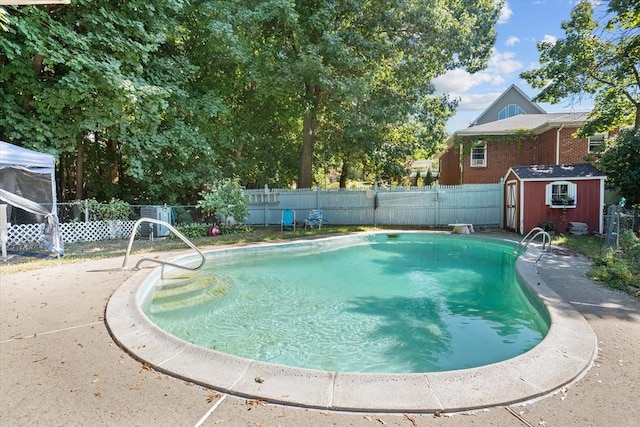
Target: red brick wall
572,150
534,150
450,167
500,157
547,151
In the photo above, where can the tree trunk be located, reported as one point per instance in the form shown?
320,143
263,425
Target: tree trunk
80,170
309,126
309,129
343,174
114,155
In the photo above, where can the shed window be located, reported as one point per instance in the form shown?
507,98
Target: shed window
561,194
479,154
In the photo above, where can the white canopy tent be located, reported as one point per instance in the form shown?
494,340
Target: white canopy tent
27,181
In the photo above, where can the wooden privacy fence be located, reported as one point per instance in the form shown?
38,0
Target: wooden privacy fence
477,204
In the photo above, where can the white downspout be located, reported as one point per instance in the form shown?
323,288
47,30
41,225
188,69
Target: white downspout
558,144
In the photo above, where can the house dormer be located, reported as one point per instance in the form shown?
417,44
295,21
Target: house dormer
511,103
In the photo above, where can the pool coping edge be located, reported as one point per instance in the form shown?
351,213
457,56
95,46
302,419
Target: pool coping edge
563,357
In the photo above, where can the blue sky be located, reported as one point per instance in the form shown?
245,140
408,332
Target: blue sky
523,23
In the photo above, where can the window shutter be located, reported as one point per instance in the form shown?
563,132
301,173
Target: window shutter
547,196
573,192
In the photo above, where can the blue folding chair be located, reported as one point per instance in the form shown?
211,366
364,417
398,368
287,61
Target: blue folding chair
288,220
315,219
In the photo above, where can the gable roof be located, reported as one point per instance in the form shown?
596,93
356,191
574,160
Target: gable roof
550,172
513,94
535,123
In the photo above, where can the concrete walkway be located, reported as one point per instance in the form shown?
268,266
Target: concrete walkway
60,366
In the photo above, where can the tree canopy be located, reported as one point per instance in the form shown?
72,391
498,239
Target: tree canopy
599,56
151,101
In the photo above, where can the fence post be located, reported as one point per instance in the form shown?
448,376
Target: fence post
375,202
86,210
265,201
501,203
437,204
4,233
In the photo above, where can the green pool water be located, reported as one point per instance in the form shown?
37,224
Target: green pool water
402,303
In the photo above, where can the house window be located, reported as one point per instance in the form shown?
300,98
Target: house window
510,111
561,194
596,142
479,154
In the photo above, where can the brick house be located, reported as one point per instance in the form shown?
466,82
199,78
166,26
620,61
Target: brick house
514,131
482,154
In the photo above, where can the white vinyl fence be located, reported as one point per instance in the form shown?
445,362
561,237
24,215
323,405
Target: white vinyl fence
477,204
435,206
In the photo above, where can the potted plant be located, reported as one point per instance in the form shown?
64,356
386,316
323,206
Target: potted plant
563,201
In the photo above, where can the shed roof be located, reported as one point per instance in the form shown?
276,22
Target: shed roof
551,172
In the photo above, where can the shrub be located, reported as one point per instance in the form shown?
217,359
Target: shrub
182,215
114,210
619,270
224,198
192,231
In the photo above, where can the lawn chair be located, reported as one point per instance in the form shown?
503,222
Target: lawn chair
315,219
288,220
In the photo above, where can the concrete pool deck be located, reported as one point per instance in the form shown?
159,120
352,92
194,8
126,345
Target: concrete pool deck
59,365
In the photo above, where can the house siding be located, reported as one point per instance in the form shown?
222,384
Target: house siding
587,208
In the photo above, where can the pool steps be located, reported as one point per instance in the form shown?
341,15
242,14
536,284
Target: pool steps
172,295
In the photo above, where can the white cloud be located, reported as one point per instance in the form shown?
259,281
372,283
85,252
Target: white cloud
512,40
549,39
500,64
477,102
503,63
461,81
505,13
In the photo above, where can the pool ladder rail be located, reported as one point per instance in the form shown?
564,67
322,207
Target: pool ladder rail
522,245
162,263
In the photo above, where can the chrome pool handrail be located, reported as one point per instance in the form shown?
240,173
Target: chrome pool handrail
521,246
162,263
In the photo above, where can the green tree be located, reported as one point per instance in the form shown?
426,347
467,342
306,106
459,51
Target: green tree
596,57
621,162
333,82
101,84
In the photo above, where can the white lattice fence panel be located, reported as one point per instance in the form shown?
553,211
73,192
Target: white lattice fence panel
96,230
24,236
31,235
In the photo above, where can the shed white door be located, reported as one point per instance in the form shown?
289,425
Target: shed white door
512,205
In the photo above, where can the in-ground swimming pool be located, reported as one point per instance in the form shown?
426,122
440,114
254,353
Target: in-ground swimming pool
386,303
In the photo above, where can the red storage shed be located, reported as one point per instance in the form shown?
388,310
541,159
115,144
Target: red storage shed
554,196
